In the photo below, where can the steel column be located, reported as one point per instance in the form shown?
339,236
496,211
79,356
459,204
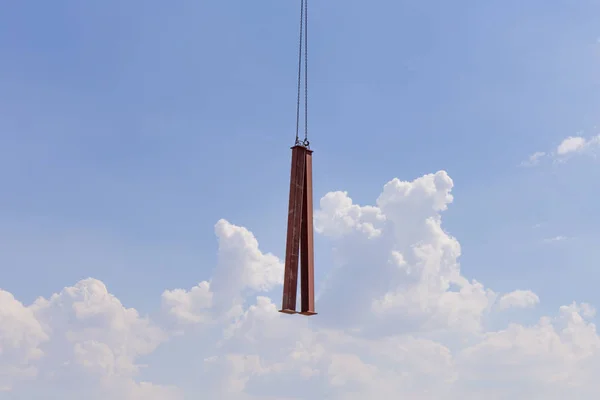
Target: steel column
294,227
300,235
307,253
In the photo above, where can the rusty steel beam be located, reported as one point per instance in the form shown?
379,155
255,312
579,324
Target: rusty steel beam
307,252
300,236
294,227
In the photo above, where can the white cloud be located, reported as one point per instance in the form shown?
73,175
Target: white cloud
554,359
571,144
554,239
534,159
21,335
568,147
79,337
397,319
189,306
518,299
242,268
407,269
339,216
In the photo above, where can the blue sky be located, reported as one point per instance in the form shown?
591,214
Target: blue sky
135,126
128,129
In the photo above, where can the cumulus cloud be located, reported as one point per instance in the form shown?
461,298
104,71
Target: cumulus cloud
567,148
407,269
398,319
241,268
518,299
571,144
21,335
189,306
553,359
79,337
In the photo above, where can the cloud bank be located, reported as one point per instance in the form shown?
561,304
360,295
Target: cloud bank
397,319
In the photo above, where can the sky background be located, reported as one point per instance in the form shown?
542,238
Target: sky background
128,129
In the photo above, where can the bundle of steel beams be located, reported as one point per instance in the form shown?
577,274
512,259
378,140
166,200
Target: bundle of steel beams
300,236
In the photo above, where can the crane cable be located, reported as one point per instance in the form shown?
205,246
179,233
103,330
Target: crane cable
303,38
